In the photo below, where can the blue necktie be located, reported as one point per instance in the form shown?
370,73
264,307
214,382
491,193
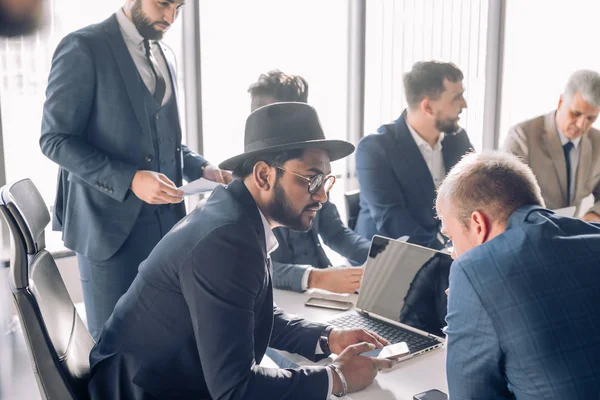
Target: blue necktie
567,149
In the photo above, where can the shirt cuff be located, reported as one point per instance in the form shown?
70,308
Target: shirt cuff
304,283
318,349
330,384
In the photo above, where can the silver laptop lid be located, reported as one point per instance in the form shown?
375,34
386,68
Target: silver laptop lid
406,283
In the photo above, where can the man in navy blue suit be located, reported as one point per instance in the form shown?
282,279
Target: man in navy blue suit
523,311
300,262
199,316
400,167
111,123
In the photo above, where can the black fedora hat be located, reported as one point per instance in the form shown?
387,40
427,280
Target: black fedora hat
285,126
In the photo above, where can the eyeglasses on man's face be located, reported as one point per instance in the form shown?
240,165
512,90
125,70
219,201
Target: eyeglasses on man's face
315,183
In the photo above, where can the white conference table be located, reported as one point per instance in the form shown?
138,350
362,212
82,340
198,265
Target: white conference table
404,380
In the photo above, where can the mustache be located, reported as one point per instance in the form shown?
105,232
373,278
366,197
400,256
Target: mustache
315,205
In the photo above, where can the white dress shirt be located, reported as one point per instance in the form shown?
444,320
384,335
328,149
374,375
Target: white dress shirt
433,156
135,45
271,246
573,158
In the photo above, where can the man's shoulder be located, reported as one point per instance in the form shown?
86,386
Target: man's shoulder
377,138
533,126
535,238
221,209
88,35
594,135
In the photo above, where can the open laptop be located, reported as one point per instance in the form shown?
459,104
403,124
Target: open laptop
402,296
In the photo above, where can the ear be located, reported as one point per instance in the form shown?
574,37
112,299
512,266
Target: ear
425,106
560,101
481,226
263,176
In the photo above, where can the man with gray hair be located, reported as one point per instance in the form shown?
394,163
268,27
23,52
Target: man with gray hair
562,148
524,287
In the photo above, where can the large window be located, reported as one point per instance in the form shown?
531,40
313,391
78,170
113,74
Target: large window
402,32
24,67
542,53
242,39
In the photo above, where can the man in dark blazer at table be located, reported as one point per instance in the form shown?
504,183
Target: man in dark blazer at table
111,123
199,316
400,167
300,262
524,290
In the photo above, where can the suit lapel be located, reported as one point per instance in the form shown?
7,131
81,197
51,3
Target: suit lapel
450,152
170,61
411,156
242,195
129,72
584,167
555,151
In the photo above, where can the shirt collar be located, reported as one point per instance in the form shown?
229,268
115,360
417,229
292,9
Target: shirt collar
563,139
270,239
421,142
128,29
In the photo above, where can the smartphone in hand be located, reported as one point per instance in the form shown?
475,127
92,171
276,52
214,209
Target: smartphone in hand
392,352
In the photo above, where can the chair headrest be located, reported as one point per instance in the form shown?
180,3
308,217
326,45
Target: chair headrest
29,211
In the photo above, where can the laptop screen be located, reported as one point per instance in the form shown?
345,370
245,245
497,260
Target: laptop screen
406,283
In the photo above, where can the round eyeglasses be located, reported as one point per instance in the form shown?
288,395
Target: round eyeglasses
315,183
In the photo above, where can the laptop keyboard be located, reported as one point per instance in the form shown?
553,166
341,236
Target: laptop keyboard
393,333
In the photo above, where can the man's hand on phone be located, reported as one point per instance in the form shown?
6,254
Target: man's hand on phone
359,371
340,339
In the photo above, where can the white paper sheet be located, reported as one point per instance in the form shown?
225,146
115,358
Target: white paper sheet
566,211
585,206
198,186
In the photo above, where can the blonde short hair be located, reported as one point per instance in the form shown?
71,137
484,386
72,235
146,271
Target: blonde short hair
492,182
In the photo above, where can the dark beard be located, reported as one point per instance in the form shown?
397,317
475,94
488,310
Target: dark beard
24,25
143,25
448,126
281,211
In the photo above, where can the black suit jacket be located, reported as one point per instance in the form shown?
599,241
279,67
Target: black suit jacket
199,316
397,191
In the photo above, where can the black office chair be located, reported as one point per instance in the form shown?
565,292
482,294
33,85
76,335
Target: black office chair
57,340
352,207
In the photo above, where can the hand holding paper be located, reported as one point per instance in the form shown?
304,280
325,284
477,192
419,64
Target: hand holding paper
198,186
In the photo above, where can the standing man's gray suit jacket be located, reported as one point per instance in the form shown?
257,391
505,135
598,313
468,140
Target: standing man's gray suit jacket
537,142
96,127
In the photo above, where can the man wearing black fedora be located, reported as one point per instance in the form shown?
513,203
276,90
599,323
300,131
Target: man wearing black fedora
199,316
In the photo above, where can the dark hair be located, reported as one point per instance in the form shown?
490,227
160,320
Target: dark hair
276,158
426,79
280,87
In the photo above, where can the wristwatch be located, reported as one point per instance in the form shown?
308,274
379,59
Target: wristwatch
324,340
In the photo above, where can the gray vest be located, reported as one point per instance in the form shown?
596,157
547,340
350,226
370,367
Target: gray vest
166,138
